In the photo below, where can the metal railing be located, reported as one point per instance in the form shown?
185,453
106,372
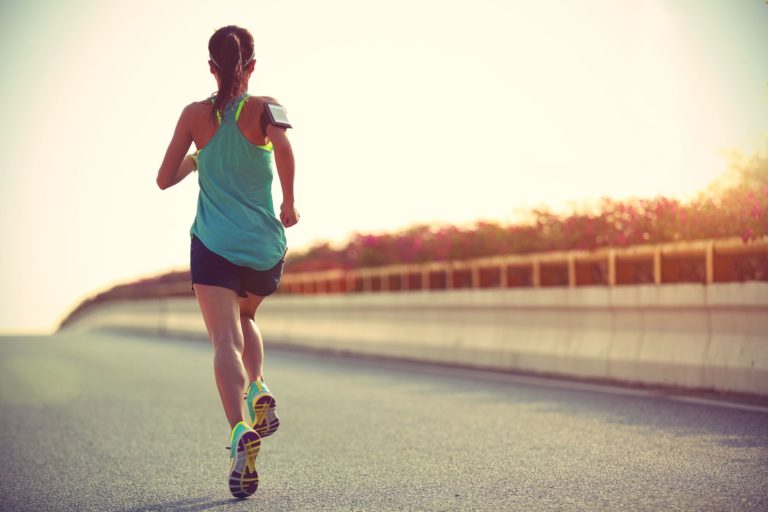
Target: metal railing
702,261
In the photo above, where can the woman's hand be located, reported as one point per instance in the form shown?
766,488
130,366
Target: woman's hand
188,166
288,214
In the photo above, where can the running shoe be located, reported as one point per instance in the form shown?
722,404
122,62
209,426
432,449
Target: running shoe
261,409
243,449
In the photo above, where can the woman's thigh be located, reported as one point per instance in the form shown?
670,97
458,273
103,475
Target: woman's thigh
221,313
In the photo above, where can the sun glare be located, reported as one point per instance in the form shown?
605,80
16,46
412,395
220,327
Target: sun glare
405,113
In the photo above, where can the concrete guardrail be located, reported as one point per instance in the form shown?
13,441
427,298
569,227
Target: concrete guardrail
707,337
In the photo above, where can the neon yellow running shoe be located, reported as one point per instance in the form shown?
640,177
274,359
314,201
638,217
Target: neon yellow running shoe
261,409
243,448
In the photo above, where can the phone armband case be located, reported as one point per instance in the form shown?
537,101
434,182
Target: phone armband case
277,115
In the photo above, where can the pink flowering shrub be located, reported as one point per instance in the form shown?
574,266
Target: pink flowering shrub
735,205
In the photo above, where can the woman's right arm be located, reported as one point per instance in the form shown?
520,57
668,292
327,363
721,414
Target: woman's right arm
169,173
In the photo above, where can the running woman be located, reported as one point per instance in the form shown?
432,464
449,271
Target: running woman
238,244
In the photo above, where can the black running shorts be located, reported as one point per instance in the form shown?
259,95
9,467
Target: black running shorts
207,267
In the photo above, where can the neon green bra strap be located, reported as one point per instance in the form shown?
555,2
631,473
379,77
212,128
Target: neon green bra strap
240,107
237,112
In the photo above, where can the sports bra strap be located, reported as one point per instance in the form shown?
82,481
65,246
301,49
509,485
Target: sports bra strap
240,107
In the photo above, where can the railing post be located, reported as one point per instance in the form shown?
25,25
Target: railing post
536,272
709,261
571,269
657,264
612,267
504,275
448,276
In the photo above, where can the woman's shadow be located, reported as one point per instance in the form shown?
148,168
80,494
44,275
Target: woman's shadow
186,505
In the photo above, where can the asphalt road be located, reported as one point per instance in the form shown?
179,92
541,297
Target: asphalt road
125,423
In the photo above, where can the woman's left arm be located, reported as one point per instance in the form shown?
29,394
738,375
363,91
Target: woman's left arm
175,167
285,170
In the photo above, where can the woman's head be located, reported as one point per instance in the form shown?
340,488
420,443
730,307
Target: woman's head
232,59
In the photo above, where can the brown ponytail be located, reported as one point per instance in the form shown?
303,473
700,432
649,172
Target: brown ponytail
231,50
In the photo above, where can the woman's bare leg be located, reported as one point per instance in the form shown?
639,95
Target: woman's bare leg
221,314
253,355
253,352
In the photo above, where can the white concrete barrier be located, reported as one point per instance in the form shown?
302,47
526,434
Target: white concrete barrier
712,337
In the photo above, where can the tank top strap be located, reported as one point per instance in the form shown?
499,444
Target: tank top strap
240,106
218,114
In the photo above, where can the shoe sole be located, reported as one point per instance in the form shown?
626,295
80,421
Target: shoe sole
243,477
266,421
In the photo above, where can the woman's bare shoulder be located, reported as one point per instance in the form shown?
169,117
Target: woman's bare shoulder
263,99
197,110
199,106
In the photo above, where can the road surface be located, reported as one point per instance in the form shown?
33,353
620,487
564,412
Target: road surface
118,422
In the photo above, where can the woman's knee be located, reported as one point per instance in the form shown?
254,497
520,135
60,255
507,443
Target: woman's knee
249,305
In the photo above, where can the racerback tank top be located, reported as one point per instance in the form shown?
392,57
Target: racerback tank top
235,216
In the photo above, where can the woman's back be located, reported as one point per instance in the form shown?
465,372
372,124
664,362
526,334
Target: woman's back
235,214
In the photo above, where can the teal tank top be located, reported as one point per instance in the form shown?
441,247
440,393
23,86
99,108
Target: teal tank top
235,217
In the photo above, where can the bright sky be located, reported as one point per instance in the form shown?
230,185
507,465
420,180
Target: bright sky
406,111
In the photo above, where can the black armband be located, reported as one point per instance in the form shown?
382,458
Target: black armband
275,114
